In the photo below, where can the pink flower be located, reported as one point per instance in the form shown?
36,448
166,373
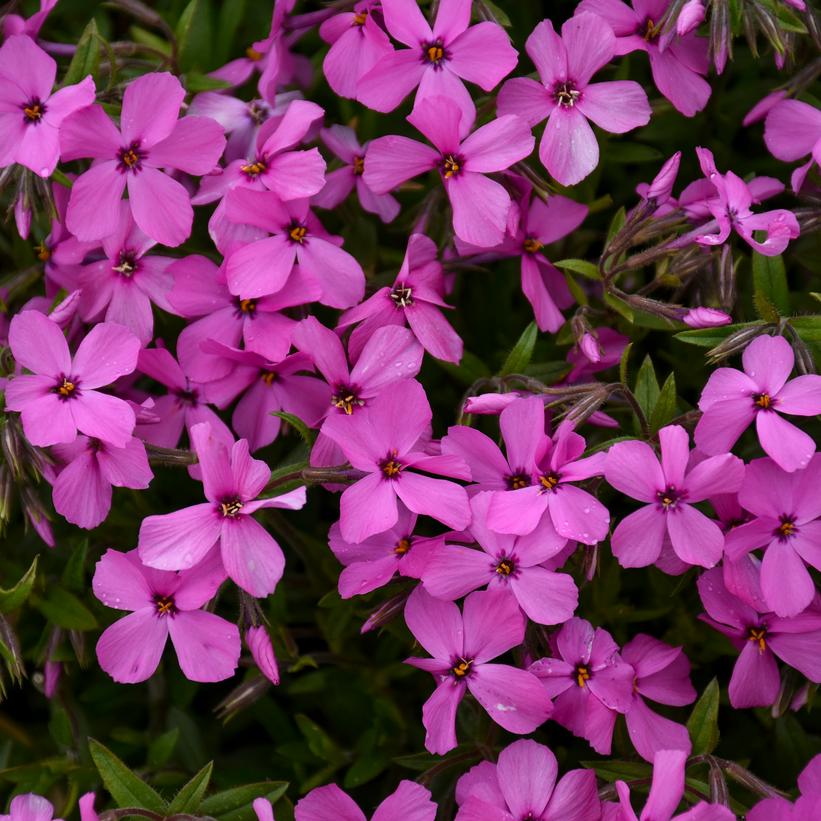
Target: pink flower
480,205
15,24
807,806
787,508
793,130
31,117
163,604
150,138
408,802
60,396
507,563
705,318
567,99
761,637
181,540
669,490
523,785
259,643
732,399
662,674
462,645
30,807
438,59
588,682
382,441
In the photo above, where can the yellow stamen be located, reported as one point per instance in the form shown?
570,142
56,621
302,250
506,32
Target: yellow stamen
254,169
549,481
165,605
231,509
532,245
66,388
252,54
505,567
451,166
359,166
435,53
43,252
461,668
268,377
248,306
763,400
359,18
297,233
582,675
33,112
402,547
391,468
758,634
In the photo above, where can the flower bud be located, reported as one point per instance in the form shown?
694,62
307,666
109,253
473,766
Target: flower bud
259,643
706,318
690,17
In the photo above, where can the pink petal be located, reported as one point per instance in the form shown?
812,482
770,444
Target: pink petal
527,774
405,22
410,802
633,469
260,268
482,55
618,106
440,120
493,624
713,476
119,583
575,797
792,129
160,205
545,597
296,174
651,732
452,18
197,586
367,507
480,207
785,582
526,99
81,495
443,500
801,396
684,88
194,146
768,361
394,75
548,53
544,286
513,698
252,558
675,451
577,515
439,716
390,161
696,539
637,539
328,803
568,150
497,145
725,384
721,425
207,646
151,104
434,332
360,578
788,446
130,650
338,273
755,680
47,420
30,807
179,540
435,624
107,353
517,511
89,133
94,207
103,417
590,44
454,571
38,344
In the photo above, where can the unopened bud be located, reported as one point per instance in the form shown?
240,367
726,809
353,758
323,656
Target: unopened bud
690,17
386,612
706,318
737,342
259,643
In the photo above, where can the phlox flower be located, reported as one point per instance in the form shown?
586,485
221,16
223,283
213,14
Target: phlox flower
382,441
761,638
15,24
662,674
524,784
567,99
163,604
31,116
30,807
262,651
437,59
408,802
806,807
504,562
791,131
150,138
231,482
462,645
732,399
415,298
669,490
588,682
787,523
480,205
60,396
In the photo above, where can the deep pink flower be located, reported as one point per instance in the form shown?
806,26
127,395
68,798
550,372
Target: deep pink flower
669,490
150,138
732,399
678,64
60,396
761,638
437,59
506,563
251,556
662,674
382,440
787,507
461,646
793,130
30,807
163,604
408,802
588,682
480,205
523,785
567,99
31,117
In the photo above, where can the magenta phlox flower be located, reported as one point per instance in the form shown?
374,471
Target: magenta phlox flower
480,205
60,397
662,674
678,64
438,59
588,682
150,138
524,784
15,24
30,807
163,604
566,98
408,802
787,524
761,638
669,489
262,267
416,298
31,116
82,489
792,130
462,645
357,42
232,481
503,562
732,399
339,183
382,441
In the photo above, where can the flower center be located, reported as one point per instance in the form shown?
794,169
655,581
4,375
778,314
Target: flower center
358,166
505,567
402,546
565,94
668,498
786,529
582,674
126,263
297,233
188,397
402,296
43,252
247,306
258,111
391,467
130,158
359,18
434,53
758,634
517,481
230,508
651,30
33,111
254,169
461,668
549,481
346,399
532,245
451,165
165,605
269,377
252,54
66,388
763,401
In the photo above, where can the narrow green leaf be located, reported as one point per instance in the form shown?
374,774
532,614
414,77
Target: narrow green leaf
319,742
646,389
710,337
86,59
616,223
579,266
59,177
230,15
64,609
770,280
578,293
188,799
608,444
521,354
195,82
15,596
665,408
703,722
298,425
74,573
235,804
625,357
162,747
498,15
619,306
808,327
125,786
194,35
615,770
468,371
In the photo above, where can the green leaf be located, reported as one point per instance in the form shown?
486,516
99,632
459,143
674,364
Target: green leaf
770,279
625,357
235,804
86,59
703,722
665,408
619,770
148,38
230,15
632,153
162,747
619,306
498,15
608,444
195,82
65,610
578,293
74,573
710,337
808,327
616,224
521,354
125,786
579,266
15,596
647,386
58,176
194,36
298,425
469,370
319,742
190,796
